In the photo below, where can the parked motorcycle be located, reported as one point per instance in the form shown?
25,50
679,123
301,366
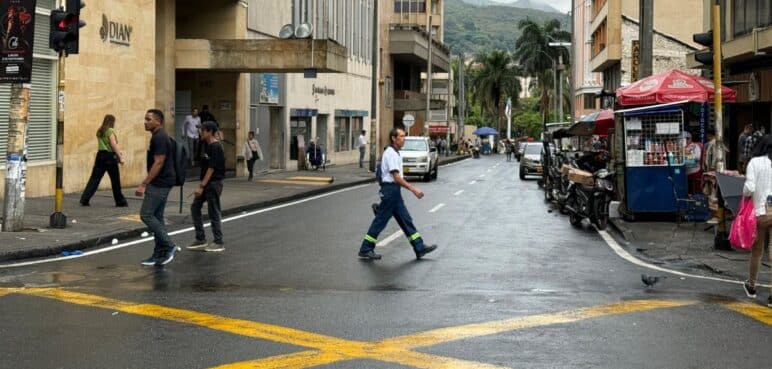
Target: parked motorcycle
556,184
591,202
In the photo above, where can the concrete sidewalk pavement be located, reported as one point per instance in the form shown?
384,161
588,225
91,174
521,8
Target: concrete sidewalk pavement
99,223
686,247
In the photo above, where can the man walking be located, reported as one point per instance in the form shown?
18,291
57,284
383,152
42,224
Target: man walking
190,129
741,158
392,203
209,191
362,146
155,188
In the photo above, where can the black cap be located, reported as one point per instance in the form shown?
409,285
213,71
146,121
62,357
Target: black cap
209,126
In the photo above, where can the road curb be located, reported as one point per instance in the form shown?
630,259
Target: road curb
106,239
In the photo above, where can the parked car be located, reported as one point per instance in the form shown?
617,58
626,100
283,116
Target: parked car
519,150
419,158
531,161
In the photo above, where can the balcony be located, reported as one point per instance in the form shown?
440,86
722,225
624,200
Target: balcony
260,56
410,44
414,101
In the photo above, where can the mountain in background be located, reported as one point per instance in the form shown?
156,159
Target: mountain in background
525,4
473,28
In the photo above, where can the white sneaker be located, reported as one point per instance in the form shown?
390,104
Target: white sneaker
197,245
215,247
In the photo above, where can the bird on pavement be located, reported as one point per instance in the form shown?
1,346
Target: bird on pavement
651,280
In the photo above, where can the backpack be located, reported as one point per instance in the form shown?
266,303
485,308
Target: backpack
180,159
378,173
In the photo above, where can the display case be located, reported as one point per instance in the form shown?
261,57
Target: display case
655,175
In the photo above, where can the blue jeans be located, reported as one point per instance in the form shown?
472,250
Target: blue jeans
152,214
391,205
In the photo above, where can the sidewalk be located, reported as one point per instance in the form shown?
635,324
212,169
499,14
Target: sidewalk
687,247
99,223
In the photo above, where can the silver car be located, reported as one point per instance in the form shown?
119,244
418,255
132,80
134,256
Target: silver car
419,158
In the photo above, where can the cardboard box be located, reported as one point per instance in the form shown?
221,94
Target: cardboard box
564,170
581,177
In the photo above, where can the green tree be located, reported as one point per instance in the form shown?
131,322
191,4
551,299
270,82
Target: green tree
496,79
536,56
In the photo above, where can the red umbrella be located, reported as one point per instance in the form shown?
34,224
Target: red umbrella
603,122
671,86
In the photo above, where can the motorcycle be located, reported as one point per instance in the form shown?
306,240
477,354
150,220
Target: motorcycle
555,183
591,202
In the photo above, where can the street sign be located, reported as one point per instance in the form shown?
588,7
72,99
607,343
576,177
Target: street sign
408,120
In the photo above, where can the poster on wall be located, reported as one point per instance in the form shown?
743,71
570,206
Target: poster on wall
16,37
269,88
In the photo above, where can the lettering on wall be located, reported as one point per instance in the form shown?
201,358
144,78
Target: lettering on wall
115,32
322,90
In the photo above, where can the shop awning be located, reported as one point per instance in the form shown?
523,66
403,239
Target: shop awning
598,122
652,109
671,86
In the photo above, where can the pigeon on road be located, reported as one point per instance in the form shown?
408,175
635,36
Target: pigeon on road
651,280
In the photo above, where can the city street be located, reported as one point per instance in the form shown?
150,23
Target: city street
512,285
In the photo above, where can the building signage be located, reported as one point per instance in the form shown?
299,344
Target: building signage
115,32
269,88
635,60
322,90
16,35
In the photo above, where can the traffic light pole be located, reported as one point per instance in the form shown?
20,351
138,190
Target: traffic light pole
721,232
16,159
58,219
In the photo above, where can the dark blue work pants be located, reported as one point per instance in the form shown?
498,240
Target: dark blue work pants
391,205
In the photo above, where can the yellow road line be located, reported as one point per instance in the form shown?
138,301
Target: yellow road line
313,179
235,326
751,310
131,218
299,360
7,291
428,361
443,335
282,181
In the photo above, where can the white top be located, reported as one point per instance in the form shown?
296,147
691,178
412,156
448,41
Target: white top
390,161
758,182
362,141
191,126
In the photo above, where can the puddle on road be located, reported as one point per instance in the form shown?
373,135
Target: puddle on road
39,280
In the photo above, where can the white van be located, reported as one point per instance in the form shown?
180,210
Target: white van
419,158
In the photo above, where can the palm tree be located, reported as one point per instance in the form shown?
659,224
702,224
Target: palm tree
496,80
536,56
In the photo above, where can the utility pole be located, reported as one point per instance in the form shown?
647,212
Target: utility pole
449,93
559,99
646,37
571,63
721,231
461,96
374,88
428,79
16,160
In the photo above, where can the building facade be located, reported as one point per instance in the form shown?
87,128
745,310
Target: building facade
587,83
137,55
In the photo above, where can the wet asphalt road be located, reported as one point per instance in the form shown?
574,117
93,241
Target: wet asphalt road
289,292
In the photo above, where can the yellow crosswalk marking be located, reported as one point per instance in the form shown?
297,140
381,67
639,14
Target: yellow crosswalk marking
751,310
284,181
326,350
131,218
313,179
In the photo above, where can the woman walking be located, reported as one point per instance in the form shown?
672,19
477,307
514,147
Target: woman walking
107,159
252,153
758,186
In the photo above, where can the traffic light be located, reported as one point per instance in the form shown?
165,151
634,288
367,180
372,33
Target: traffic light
704,39
65,28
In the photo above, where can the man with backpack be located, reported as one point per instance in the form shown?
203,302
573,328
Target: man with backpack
209,191
155,188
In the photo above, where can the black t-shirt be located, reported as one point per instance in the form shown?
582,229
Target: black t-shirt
160,145
214,157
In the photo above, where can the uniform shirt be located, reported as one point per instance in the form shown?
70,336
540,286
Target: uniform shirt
160,145
391,161
758,182
214,157
362,141
191,126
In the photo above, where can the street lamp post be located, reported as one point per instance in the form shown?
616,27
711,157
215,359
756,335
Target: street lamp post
567,45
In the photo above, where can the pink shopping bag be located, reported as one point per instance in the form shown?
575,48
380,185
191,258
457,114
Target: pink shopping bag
742,235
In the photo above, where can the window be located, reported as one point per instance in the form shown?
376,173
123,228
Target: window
589,101
747,14
298,130
409,6
342,133
356,128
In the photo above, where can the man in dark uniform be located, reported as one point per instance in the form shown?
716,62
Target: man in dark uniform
209,191
392,203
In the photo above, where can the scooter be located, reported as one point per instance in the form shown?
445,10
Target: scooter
475,152
556,184
591,202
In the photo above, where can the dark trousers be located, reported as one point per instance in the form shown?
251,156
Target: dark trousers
361,155
152,214
251,164
391,205
211,196
105,162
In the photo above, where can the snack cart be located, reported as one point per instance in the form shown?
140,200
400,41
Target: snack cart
655,174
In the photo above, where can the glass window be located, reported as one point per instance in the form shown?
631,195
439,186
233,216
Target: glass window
342,133
589,101
298,129
356,129
409,6
415,145
739,25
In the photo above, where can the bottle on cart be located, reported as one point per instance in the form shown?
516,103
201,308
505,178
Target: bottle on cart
670,158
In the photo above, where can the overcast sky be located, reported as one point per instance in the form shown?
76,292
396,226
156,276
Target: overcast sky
562,5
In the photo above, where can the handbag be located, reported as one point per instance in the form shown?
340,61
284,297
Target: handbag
742,235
